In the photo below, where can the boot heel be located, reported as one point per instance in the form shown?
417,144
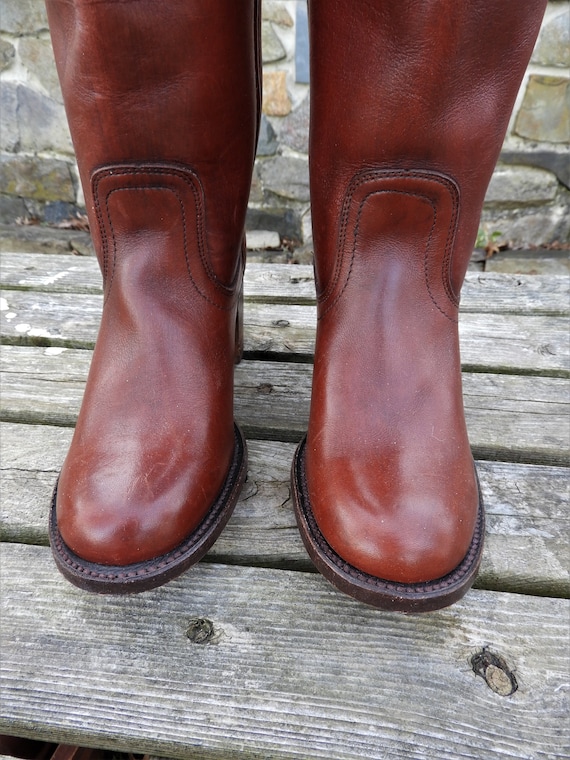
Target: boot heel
239,328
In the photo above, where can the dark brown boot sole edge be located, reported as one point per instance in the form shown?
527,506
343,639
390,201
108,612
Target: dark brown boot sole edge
386,595
143,576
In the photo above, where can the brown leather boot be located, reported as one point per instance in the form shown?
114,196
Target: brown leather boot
163,104
410,102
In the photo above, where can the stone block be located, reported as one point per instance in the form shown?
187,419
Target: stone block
40,239
7,54
257,240
553,46
21,17
37,55
531,227
545,112
11,208
282,220
9,132
521,185
255,189
271,47
294,131
36,178
286,176
267,143
42,123
276,12
276,100
555,161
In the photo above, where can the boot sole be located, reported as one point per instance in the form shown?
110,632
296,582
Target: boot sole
384,594
142,576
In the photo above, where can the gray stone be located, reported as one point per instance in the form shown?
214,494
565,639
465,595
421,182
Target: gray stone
40,239
553,46
9,133
271,47
257,240
282,220
302,67
521,185
11,208
21,17
555,161
294,131
7,54
42,123
276,12
267,143
545,112
37,55
286,176
36,178
532,227
59,211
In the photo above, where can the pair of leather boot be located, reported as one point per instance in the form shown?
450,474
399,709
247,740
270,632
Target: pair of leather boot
410,102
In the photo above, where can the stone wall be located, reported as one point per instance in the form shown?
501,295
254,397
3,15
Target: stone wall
528,199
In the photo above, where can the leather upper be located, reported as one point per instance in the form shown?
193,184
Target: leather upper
409,106
163,105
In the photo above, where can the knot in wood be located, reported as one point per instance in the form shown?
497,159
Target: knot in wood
200,630
495,671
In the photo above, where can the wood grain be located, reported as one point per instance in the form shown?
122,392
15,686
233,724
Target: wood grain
281,283
516,344
293,669
527,542
509,417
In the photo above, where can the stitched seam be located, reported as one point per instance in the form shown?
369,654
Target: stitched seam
373,174
227,292
446,268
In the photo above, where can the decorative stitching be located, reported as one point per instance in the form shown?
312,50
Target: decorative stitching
104,172
374,174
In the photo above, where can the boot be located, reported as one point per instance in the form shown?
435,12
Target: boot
163,102
410,102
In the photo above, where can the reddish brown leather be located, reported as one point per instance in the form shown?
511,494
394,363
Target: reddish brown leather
409,106
162,101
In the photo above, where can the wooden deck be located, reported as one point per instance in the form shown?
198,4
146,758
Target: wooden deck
251,654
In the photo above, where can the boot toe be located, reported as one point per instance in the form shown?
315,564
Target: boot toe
405,538
129,523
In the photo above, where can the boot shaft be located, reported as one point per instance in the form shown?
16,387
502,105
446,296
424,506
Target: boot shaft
175,82
412,86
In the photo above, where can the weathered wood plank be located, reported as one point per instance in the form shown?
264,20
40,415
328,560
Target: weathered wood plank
499,342
279,283
510,418
294,669
527,544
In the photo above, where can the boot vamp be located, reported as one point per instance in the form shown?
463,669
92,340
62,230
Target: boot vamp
389,469
154,438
